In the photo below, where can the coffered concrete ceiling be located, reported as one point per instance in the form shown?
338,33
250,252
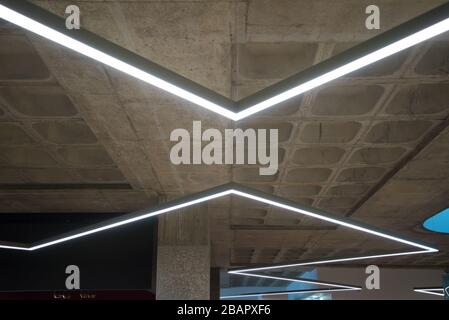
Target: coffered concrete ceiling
76,136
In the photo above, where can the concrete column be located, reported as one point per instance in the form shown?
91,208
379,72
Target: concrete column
183,258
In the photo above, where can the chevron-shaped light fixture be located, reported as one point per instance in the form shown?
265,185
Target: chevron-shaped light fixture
244,192
248,193
433,291
277,293
52,27
331,287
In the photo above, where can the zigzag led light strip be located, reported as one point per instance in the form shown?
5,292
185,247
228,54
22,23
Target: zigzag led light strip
433,291
277,293
45,24
237,190
334,287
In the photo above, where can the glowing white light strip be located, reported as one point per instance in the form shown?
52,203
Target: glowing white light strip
331,261
53,35
121,223
436,292
230,191
332,220
375,56
335,286
244,272
320,283
145,216
284,293
14,248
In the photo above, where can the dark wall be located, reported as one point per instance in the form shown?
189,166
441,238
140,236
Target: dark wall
121,258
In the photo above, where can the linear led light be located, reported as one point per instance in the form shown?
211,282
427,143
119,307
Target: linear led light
45,24
433,291
237,190
332,286
307,281
16,246
277,293
356,64
117,222
317,262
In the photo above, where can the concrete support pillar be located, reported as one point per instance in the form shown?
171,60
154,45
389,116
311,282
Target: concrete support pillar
183,258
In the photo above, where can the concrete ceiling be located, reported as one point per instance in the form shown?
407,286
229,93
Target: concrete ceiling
76,136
